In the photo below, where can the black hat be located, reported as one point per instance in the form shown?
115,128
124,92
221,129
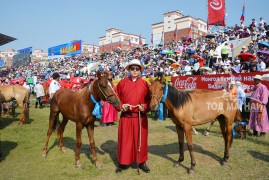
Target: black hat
55,75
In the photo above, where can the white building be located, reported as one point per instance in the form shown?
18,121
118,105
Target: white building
115,38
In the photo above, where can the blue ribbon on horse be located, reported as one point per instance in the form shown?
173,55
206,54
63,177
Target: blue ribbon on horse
97,111
236,124
160,108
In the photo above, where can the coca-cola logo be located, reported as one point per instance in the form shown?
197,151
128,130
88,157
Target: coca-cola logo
216,4
189,83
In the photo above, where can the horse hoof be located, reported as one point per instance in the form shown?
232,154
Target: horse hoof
63,149
223,163
191,172
44,155
78,165
177,164
206,133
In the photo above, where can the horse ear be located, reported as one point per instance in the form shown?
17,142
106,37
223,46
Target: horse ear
98,74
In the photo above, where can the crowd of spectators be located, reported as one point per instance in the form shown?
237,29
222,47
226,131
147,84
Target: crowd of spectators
184,57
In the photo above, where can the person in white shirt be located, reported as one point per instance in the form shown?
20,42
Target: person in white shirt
261,65
26,86
54,85
39,90
187,69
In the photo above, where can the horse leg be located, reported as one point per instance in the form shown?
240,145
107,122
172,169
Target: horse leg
78,144
53,116
60,131
222,123
90,129
188,133
180,134
22,118
206,133
229,139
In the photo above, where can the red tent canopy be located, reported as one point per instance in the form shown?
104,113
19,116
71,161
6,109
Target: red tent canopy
246,56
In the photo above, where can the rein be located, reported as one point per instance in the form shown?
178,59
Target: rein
106,96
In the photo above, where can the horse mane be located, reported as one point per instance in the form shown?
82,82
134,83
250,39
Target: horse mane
178,98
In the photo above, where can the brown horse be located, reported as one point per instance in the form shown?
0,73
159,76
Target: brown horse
78,107
18,93
191,109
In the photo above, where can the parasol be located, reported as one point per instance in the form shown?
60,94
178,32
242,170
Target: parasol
246,56
210,36
263,43
175,65
265,77
170,59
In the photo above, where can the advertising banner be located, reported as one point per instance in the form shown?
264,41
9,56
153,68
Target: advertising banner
25,50
217,81
216,12
68,49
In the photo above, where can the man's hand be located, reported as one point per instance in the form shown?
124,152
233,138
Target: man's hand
141,108
124,107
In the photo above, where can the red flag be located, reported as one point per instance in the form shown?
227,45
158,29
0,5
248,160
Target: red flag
140,40
130,44
216,12
111,46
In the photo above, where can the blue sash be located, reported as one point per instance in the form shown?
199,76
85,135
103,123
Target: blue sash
236,124
97,111
160,108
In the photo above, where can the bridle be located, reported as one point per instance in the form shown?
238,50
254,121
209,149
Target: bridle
107,96
158,99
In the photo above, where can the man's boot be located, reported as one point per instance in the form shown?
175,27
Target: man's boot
40,105
36,103
144,167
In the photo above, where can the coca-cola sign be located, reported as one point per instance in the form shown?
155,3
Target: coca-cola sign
217,81
182,83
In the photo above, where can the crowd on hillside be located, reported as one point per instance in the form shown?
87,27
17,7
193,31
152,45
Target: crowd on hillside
184,57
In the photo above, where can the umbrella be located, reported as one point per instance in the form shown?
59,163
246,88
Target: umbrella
168,52
265,77
184,62
188,37
210,36
175,65
263,43
195,56
191,60
263,52
170,59
145,44
246,56
206,68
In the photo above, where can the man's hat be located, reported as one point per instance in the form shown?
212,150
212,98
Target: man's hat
259,77
134,62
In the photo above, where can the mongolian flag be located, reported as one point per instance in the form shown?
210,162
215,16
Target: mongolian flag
140,40
175,32
191,26
243,13
93,49
130,44
216,12
162,39
111,46
103,48
120,45
151,40
207,24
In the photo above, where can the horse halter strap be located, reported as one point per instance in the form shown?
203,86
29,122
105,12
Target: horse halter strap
164,95
106,96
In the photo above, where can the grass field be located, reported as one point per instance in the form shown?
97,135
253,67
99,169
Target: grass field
22,153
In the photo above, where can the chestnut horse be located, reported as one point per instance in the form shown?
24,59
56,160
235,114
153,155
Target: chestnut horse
18,93
191,109
78,107
46,98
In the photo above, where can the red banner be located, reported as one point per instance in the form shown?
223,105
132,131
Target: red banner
216,12
217,81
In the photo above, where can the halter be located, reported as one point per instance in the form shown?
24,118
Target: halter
106,96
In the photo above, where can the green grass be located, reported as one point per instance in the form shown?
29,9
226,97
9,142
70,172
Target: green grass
22,153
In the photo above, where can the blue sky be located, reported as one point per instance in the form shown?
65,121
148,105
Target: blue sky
46,23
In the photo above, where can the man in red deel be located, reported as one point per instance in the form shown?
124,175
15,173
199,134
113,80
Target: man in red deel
133,131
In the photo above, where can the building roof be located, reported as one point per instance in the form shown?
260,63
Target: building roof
4,39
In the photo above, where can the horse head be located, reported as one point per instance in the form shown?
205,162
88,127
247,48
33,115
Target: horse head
105,88
156,90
